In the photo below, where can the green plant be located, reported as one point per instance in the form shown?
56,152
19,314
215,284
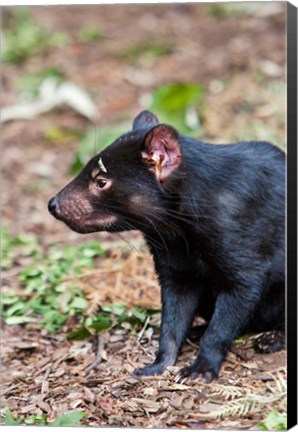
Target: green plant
10,420
47,295
56,135
222,10
150,49
112,316
179,104
90,33
51,292
70,419
23,38
274,421
11,246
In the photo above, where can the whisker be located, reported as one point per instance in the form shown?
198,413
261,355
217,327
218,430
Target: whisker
174,228
141,226
159,235
129,243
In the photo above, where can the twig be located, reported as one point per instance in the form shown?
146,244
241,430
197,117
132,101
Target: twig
45,383
144,328
98,358
191,343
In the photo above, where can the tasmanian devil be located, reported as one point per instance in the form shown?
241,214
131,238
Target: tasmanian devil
213,219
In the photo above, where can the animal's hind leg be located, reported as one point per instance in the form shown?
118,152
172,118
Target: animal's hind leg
269,342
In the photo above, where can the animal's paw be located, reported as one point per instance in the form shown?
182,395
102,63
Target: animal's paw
153,369
269,342
194,373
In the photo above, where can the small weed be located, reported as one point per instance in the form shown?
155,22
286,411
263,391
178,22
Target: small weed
46,297
222,10
274,421
23,38
24,244
146,50
90,34
70,419
10,420
56,135
51,294
114,316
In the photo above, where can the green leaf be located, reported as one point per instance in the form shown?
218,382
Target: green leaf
69,419
10,420
101,323
79,334
274,421
14,320
90,33
91,250
53,301
8,299
39,420
178,104
79,303
115,309
140,314
19,306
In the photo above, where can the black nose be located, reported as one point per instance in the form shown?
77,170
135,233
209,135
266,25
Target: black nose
52,206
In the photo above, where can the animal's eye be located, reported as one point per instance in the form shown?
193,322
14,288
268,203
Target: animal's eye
101,183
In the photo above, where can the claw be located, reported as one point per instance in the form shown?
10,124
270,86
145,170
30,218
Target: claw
188,373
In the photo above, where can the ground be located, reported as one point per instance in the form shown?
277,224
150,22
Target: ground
239,60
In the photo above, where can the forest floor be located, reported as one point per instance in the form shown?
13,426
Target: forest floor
239,60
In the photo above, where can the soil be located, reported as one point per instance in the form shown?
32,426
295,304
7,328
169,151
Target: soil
44,373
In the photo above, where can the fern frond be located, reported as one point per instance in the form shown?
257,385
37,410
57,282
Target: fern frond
228,392
243,402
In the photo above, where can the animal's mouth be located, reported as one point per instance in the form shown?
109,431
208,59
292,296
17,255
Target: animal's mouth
90,225
81,221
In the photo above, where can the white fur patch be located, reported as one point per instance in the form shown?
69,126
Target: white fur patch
101,166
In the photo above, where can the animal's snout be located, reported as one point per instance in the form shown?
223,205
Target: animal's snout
53,206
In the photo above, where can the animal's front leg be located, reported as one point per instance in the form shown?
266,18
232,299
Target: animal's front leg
178,310
232,312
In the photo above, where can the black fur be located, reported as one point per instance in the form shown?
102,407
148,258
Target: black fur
213,218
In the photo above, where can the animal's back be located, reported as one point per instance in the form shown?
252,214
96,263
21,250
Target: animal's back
241,210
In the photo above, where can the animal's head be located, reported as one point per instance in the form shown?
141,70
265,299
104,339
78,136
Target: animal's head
126,183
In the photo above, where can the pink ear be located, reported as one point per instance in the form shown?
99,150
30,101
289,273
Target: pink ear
162,152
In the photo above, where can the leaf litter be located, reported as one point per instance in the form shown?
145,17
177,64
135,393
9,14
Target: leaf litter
49,375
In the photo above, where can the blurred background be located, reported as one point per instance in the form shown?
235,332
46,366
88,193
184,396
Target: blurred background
73,79
216,71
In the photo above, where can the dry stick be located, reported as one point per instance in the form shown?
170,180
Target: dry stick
192,344
45,383
144,328
98,358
